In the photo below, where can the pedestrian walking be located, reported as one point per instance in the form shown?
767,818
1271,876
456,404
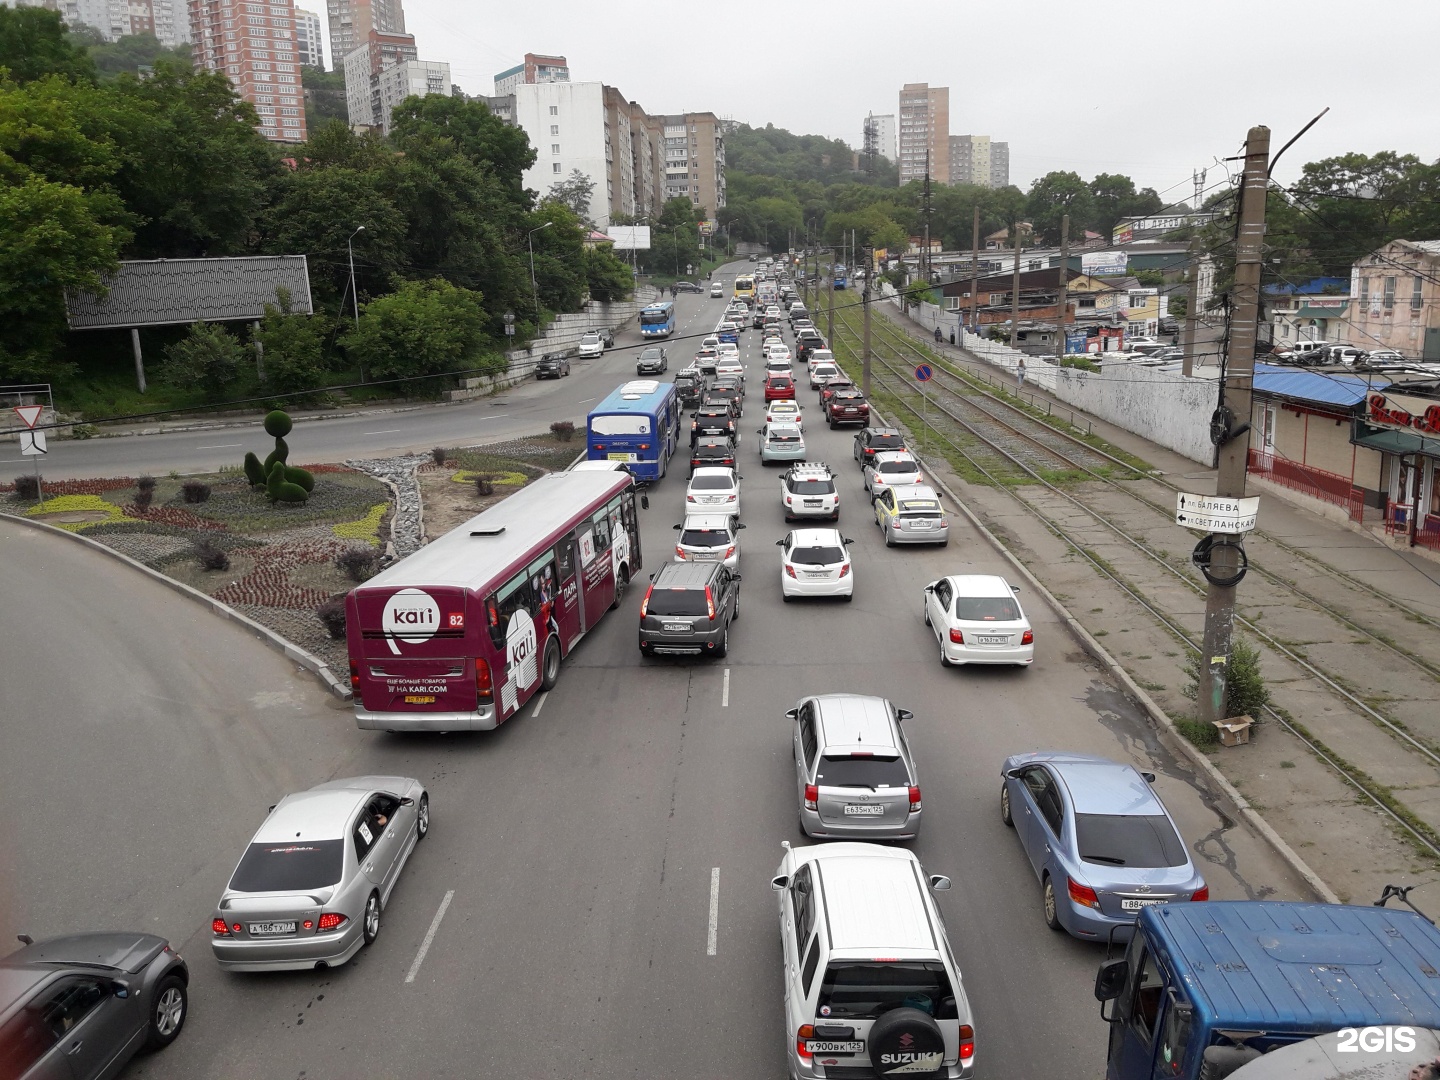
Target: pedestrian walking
1020,375
937,335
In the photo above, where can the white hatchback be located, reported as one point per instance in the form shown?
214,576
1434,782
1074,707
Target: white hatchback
777,350
785,411
731,365
820,374
709,538
891,468
591,345
815,562
978,620
714,489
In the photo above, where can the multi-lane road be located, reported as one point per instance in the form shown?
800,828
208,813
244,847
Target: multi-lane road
582,847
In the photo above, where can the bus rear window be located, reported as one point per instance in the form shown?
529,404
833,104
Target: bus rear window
620,425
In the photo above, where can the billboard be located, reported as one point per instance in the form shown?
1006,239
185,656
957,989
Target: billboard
1122,234
1104,263
630,237
707,228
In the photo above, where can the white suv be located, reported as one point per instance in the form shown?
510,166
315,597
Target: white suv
808,490
870,981
591,345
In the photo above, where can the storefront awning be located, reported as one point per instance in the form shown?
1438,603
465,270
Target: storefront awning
1393,441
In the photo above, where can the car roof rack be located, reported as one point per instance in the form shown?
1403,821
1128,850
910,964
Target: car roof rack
815,468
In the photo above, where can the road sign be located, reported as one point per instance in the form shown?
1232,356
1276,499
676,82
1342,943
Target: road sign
29,414
1216,513
923,373
32,443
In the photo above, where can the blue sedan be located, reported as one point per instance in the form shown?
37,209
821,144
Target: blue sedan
1099,839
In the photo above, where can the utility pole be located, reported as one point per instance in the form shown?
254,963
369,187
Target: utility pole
975,273
925,255
830,297
1064,284
1015,294
1230,425
865,311
1192,311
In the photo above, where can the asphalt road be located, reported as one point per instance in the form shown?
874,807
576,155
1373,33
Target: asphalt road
578,843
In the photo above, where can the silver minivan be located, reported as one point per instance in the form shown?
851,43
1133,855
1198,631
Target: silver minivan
854,774
871,984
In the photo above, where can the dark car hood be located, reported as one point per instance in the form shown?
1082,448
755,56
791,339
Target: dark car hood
128,951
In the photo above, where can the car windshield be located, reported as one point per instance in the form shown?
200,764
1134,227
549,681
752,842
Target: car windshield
817,556
712,483
987,609
812,487
1137,840
705,537
857,990
651,354
591,339
871,772
886,442
896,467
677,602
289,867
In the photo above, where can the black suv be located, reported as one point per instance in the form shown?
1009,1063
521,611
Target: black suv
712,450
688,610
711,421
652,361
874,440
728,395
552,366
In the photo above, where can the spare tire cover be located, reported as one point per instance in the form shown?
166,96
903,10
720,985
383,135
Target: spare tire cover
906,1042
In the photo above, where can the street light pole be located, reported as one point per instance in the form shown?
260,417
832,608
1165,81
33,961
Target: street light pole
354,288
535,289
675,236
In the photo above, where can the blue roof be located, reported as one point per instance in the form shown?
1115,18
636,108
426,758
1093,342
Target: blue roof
638,396
1307,968
1313,287
1327,388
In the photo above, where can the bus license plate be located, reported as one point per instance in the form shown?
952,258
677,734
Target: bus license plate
864,810
269,929
620,457
1135,904
419,699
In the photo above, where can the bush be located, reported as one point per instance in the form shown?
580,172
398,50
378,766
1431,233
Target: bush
563,430
484,485
83,431
207,358
254,471
212,557
294,349
441,454
146,483
332,614
358,563
27,486
194,491
281,488
143,498
1245,690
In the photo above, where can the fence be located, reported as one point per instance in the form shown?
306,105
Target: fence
1397,523
1317,483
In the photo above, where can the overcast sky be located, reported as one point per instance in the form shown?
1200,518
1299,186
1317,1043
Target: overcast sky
1149,88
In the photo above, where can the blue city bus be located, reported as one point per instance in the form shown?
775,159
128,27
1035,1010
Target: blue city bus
658,320
638,424
839,276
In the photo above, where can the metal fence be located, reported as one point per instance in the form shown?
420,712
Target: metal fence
1317,483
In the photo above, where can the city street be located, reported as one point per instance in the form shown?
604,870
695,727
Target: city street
578,852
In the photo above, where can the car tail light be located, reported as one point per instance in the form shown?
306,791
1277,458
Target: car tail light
967,1042
710,602
1027,638
219,927
235,927
806,1032
484,684
789,570
730,551
354,676
845,569
679,552
645,604
919,478
691,498
729,498
914,800
956,637
1083,894
944,523
331,920
308,924
812,797
1202,893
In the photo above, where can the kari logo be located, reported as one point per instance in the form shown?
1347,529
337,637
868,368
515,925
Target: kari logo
412,616
521,668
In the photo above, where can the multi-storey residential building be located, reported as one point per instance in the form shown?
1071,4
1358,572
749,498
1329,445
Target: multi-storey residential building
999,164
566,125
254,44
533,69
970,159
924,132
363,66
1395,293
695,160
880,130
308,45
352,20
167,20
408,78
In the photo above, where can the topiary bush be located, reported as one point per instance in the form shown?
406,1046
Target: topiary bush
212,557
332,614
254,471
484,485
195,491
441,454
563,430
358,563
27,486
143,498
280,489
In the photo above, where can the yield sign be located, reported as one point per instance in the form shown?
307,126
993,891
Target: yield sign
30,414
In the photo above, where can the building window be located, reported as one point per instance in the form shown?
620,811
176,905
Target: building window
554,110
554,129
1364,292
555,167
555,148
1389,294
1416,296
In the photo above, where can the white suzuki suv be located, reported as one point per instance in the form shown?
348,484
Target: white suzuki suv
871,987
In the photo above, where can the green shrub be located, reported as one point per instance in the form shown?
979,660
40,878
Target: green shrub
208,358
300,478
282,490
278,423
1245,691
254,471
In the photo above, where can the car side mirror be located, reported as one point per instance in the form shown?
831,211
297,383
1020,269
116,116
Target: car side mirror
272,807
1110,980
778,884
739,526
904,714
939,882
734,577
644,502
1149,777
1013,774
1014,588
847,540
791,714
407,801
930,587
121,988
677,526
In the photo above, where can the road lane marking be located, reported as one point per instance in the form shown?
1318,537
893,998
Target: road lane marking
583,400
725,690
221,446
714,910
429,937
539,704
387,431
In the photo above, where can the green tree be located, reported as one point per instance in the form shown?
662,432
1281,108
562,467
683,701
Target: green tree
1112,194
560,268
422,328
1054,195
207,358
34,43
575,192
467,128
324,98
294,345
133,53
1353,204
605,275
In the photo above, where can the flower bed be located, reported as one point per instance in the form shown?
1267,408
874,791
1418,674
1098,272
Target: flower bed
76,504
366,528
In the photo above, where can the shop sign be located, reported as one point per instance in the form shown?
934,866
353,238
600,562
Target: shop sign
1388,412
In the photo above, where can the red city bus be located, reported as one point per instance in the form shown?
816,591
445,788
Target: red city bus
459,635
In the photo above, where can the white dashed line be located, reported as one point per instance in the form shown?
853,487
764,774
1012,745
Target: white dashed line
220,446
387,431
539,704
430,937
710,943
725,690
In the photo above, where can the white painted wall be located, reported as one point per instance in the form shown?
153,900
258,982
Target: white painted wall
1162,406
580,117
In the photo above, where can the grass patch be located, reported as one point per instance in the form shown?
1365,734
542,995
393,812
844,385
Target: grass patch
1152,687
1201,734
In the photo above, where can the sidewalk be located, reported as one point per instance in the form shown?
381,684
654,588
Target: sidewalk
1409,576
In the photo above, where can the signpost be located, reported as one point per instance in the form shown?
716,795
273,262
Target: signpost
1216,513
32,442
923,374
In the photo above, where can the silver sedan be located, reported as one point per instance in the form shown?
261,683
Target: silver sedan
310,887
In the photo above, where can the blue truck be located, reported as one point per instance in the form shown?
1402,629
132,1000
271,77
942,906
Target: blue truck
1206,989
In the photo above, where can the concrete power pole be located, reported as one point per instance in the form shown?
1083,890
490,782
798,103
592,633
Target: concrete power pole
1192,311
1015,295
1229,427
1064,285
830,302
975,272
865,310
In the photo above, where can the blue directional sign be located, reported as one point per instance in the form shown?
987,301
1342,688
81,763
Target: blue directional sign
923,373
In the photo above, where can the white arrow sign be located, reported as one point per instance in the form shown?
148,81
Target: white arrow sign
1216,513
32,443
29,414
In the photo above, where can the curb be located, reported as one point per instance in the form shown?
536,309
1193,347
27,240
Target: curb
1157,715
269,637
338,414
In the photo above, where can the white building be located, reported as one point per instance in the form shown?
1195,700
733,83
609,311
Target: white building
886,134
168,20
413,78
566,125
308,44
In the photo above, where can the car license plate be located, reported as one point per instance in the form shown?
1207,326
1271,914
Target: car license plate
817,573
815,1046
677,627
419,699
813,502
864,810
620,457
1135,904
269,929
919,525
991,640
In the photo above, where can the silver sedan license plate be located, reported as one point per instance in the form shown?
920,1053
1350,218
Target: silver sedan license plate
864,810
1135,904
269,929
815,1046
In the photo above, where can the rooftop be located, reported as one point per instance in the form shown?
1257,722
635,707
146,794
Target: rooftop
1324,387
874,903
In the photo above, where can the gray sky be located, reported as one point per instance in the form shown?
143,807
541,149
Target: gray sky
1149,88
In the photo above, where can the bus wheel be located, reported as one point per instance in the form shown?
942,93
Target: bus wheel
621,580
550,672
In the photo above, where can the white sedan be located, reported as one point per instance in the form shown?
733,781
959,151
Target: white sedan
892,468
777,350
714,489
785,411
978,620
815,562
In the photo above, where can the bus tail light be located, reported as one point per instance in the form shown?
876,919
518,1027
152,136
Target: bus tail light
645,604
484,684
644,446
1027,638
914,800
710,602
812,797
599,447
354,676
1083,895
1202,893
967,1043
805,1034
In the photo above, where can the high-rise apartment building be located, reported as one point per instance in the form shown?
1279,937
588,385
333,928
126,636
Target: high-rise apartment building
533,69
566,122
695,160
352,20
309,46
167,20
882,130
363,66
999,164
976,159
924,128
254,44
409,78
